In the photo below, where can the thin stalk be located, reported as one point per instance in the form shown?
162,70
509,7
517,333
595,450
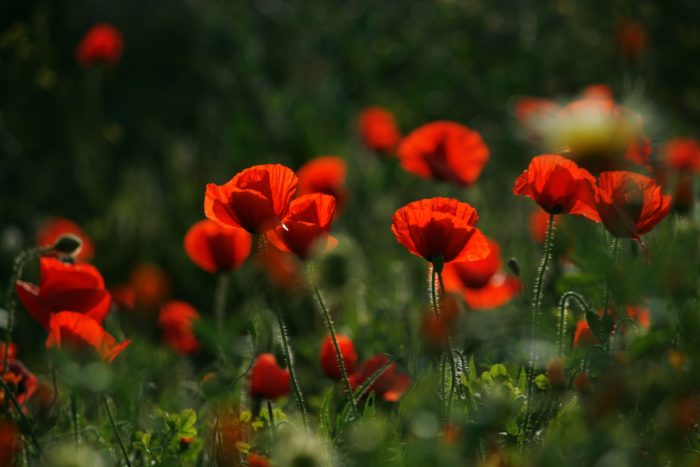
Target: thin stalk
18,408
563,306
614,248
74,417
271,416
220,298
537,296
447,391
331,330
116,431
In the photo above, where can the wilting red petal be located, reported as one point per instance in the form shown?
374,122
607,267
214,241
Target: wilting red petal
378,129
267,379
444,151
440,227
630,204
255,199
306,223
559,186
215,248
78,331
64,286
324,174
103,44
329,359
56,227
177,318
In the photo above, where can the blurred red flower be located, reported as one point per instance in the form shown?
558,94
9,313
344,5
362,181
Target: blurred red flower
682,154
150,284
440,229
305,226
102,44
267,379
630,204
254,199
78,331
329,359
123,296
64,286
176,319
21,382
11,350
437,328
280,267
324,174
56,227
390,386
559,186
598,91
539,218
481,282
378,130
258,460
216,248
632,39
444,151
10,442
584,337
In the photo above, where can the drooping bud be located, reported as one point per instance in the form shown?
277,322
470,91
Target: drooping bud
67,244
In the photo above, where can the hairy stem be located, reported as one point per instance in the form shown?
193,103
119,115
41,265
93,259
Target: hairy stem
116,431
331,331
220,299
563,305
446,391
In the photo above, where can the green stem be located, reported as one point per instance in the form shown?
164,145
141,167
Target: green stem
446,394
116,431
331,330
563,305
8,392
271,415
74,416
220,299
537,296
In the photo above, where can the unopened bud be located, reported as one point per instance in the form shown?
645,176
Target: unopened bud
514,266
68,244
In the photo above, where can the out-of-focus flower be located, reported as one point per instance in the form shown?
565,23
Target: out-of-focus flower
78,331
630,204
482,283
216,248
151,285
302,447
584,337
539,218
176,319
440,230
267,379
305,226
56,227
282,268
124,296
21,382
255,199
79,288
682,154
10,442
555,373
231,437
535,115
378,130
444,151
11,350
326,175
437,328
640,314
390,386
329,359
597,91
258,460
632,39
102,44
558,186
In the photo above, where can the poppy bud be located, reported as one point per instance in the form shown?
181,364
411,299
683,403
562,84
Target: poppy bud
329,359
514,266
185,443
267,379
68,244
555,373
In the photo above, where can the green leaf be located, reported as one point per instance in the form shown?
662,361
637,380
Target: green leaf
326,413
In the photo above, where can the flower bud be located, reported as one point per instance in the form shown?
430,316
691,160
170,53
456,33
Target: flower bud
68,244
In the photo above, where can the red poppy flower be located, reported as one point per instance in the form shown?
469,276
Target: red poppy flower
440,229
305,226
151,285
102,44
378,129
482,284
539,219
682,154
63,286
20,380
176,319
257,460
598,91
281,268
324,175
444,151
10,442
56,227
267,379
329,359
559,186
583,337
640,314
390,386
630,204
78,331
11,350
215,248
255,199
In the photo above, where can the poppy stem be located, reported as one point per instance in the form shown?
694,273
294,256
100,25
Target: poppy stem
271,416
537,296
331,330
447,356
19,409
116,431
220,298
563,306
